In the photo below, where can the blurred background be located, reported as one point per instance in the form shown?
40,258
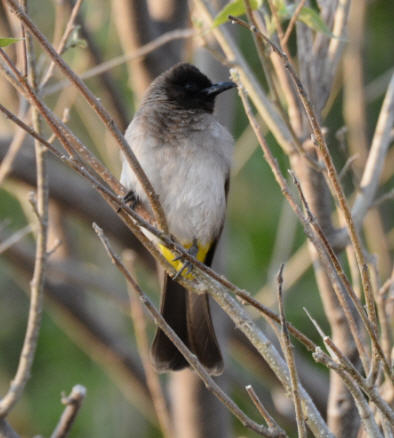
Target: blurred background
87,336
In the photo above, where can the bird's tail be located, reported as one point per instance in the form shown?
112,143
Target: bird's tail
190,316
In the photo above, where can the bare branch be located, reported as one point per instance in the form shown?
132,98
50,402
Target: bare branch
40,207
365,412
289,356
292,23
263,411
73,404
369,389
376,157
62,44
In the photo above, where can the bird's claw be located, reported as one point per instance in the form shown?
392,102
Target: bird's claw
129,198
187,265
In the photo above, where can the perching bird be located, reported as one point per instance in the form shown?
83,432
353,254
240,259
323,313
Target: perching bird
186,154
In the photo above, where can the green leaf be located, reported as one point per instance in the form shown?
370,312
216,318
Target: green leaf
236,8
4,42
313,20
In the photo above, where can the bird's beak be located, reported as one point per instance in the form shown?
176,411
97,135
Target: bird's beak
218,88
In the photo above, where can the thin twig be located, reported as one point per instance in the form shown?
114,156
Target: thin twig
369,389
73,404
126,213
40,207
289,356
348,287
292,23
62,44
338,268
376,157
363,408
278,24
263,411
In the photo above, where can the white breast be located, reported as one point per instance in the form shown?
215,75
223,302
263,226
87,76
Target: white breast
189,177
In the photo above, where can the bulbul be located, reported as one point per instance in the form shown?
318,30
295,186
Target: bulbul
186,154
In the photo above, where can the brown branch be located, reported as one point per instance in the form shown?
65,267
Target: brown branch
369,389
348,287
73,404
289,356
62,44
263,411
376,157
292,23
40,207
338,268
362,406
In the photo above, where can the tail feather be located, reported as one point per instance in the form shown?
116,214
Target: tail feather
173,308
189,315
201,333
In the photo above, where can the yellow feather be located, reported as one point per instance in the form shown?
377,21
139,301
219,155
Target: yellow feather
178,264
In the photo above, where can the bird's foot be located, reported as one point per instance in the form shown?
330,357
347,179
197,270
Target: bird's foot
187,266
129,198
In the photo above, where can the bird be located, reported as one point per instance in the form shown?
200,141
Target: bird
186,154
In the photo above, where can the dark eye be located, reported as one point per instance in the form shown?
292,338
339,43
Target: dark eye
190,86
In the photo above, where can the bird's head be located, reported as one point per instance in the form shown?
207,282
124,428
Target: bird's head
186,87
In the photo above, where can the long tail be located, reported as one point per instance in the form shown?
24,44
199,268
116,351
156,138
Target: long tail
190,316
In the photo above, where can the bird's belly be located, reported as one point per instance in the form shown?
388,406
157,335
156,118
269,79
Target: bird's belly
194,203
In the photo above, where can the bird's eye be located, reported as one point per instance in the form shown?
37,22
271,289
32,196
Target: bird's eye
189,86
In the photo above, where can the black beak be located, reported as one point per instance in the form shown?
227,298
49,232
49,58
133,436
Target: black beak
218,88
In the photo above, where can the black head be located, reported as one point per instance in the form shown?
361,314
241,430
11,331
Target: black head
186,87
